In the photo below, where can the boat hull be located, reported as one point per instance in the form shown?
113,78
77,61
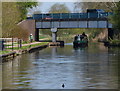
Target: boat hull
80,43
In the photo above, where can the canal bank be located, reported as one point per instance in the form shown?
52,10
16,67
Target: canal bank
26,48
31,48
114,43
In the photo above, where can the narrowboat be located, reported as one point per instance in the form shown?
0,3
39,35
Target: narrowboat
80,41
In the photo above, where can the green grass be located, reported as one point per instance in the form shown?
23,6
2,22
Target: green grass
4,52
26,42
44,36
116,41
14,43
24,47
8,45
29,46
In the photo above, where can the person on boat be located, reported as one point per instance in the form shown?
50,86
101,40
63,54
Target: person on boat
83,34
76,37
81,37
85,38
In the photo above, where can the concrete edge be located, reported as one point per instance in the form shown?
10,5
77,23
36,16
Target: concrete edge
11,55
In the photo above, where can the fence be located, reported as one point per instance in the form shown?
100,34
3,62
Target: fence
10,43
71,15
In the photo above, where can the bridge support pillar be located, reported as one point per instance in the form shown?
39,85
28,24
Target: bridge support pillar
54,34
54,37
36,34
110,33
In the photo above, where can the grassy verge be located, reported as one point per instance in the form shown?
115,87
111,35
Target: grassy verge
4,52
29,46
8,50
15,43
44,37
116,42
10,44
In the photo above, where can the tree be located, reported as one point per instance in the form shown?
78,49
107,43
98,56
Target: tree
59,8
115,19
12,14
0,19
107,6
10,17
24,6
83,6
36,12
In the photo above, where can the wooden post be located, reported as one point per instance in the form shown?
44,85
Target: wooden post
12,44
20,43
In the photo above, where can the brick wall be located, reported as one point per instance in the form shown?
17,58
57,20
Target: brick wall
28,25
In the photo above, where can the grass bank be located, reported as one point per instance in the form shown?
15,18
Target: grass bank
29,46
8,50
4,52
113,43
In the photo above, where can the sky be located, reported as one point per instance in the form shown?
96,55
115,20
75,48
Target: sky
45,6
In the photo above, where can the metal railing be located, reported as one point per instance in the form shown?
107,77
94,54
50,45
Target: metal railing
10,43
71,15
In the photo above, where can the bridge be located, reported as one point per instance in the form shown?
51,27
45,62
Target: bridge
72,20
54,21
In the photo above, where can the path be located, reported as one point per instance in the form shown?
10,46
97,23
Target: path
26,44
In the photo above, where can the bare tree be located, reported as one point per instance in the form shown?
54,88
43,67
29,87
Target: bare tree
83,6
59,8
0,19
10,17
36,12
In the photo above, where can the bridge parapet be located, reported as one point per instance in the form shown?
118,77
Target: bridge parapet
58,16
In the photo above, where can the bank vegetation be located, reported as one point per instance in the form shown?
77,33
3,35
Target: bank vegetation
12,14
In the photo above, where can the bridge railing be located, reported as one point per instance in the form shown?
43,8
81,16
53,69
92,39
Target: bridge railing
71,15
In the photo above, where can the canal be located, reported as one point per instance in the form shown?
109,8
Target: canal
94,67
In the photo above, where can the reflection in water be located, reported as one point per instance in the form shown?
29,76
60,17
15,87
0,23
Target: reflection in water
15,74
80,48
0,75
94,67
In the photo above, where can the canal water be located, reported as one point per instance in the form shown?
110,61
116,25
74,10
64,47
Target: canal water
94,67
